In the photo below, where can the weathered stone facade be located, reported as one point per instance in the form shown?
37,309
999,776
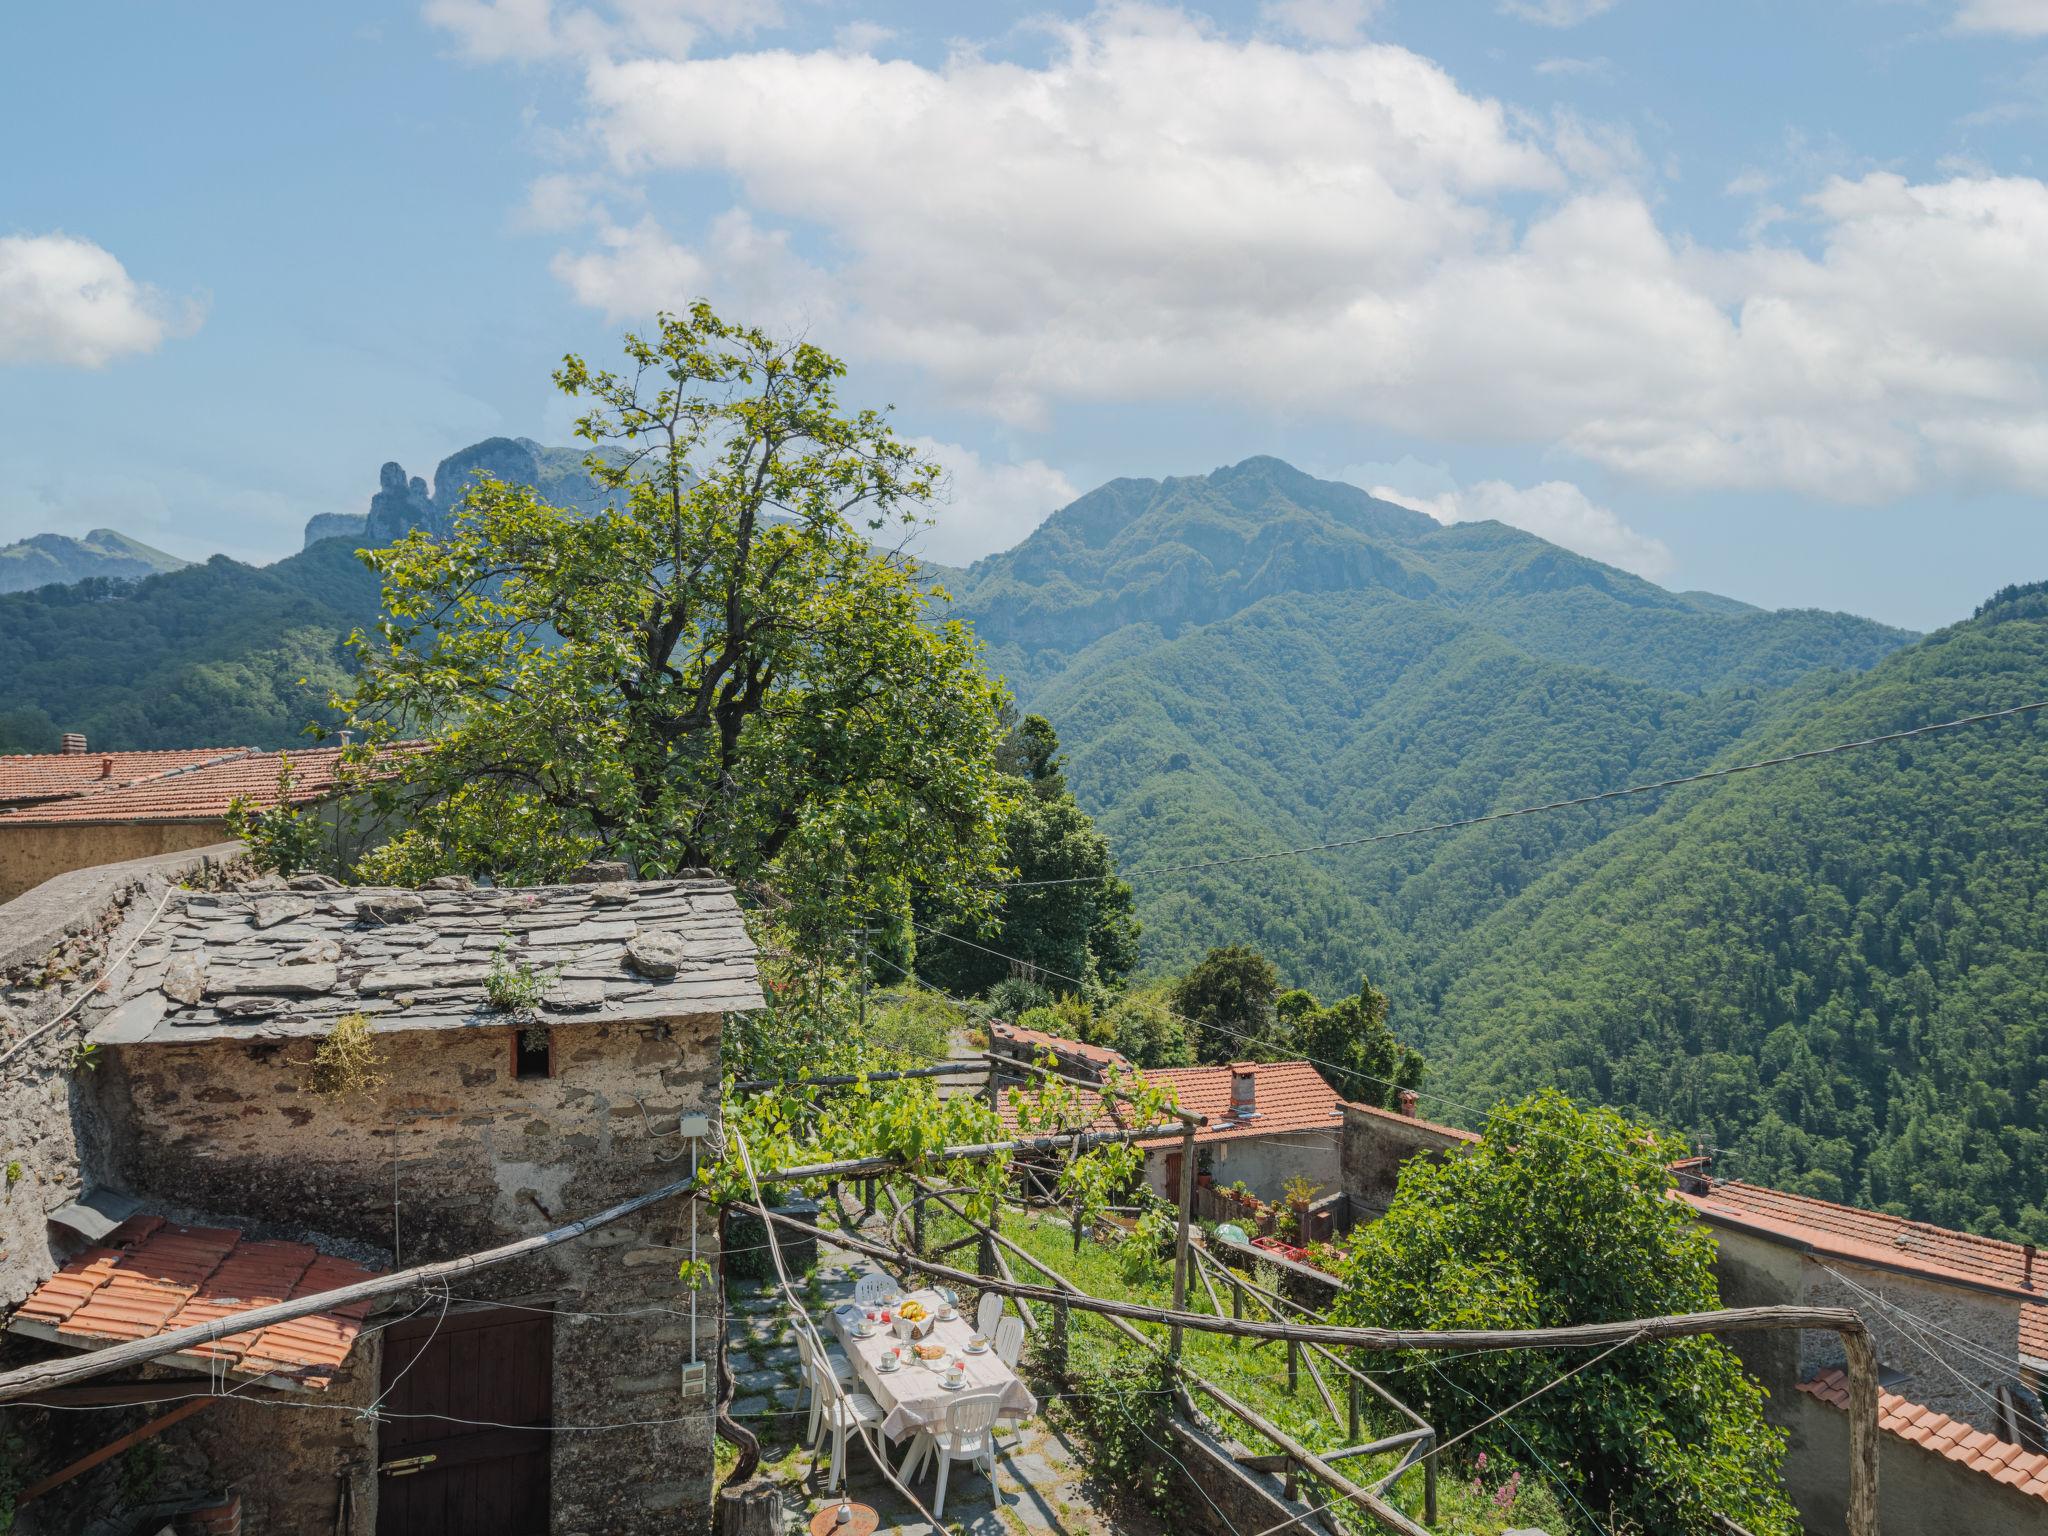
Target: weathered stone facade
1375,1145
476,1157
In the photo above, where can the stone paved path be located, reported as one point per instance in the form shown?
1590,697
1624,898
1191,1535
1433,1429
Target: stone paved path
1040,1486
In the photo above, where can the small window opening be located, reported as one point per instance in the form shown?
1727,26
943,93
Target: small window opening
533,1052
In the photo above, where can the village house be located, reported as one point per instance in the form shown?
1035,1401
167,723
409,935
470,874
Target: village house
1264,1123
1960,1324
75,809
192,1157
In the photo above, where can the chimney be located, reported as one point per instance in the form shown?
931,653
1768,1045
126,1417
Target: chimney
1406,1100
74,744
1244,1090
106,767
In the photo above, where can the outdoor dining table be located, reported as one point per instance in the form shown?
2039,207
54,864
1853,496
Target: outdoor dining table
911,1397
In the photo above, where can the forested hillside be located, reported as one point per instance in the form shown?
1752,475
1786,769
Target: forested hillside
1838,972
210,655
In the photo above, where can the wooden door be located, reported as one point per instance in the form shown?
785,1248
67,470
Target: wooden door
462,1450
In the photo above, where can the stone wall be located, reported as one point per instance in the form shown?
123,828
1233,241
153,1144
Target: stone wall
1756,1271
1263,1164
54,942
454,1153
1376,1143
31,854
1918,1490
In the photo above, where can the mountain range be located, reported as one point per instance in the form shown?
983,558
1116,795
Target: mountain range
1834,973
48,559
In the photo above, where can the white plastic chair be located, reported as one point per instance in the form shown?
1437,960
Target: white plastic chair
872,1287
967,1437
1010,1341
834,1409
987,1313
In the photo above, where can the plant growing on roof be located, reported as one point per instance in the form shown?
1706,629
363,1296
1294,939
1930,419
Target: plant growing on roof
724,667
348,1060
514,986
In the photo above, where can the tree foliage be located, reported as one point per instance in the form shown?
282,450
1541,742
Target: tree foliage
721,670
1232,992
1061,910
1351,1043
1561,1216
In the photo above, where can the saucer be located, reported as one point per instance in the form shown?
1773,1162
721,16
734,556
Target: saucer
953,1383
974,1349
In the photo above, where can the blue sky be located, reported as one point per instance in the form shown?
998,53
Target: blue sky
1745,296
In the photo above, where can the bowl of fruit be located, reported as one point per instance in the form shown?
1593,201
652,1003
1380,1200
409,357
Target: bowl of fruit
913,1321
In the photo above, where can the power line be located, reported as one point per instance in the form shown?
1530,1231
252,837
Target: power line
1554,805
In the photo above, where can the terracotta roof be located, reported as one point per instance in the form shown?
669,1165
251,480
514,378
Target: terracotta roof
276,959
196,793
1291,1097
1976,1449
1101,1055
1450,1131
153,1277
56,775
1872,1237
2034,1333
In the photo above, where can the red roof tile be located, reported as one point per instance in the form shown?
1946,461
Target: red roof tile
2034,1331
56,775
1890,1242
1959,1442
1290,1096
153,1277
201,793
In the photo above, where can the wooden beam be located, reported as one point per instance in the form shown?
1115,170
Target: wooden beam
153,1427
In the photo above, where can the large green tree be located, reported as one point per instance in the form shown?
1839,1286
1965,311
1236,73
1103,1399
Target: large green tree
1230,996
1562,1215
1062,910
1351,1043
723,669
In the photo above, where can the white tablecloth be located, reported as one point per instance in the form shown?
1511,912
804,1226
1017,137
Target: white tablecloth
910,1396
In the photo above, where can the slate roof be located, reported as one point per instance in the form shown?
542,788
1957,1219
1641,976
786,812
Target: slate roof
34,776
270,962
1037,1039
1291,1097
152,1277
1888,1242
199,791
1976,1449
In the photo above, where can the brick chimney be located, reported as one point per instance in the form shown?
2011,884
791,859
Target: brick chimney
73,744
106,767
1406,1100
1244,1090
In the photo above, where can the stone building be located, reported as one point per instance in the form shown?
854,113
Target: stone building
568,1391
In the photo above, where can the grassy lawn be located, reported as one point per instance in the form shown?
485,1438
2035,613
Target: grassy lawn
1256,1375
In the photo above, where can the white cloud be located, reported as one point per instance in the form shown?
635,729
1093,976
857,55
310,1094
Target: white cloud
68,301
987,506
1132,220
1320,21
1556,510
1559,13
2010,18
